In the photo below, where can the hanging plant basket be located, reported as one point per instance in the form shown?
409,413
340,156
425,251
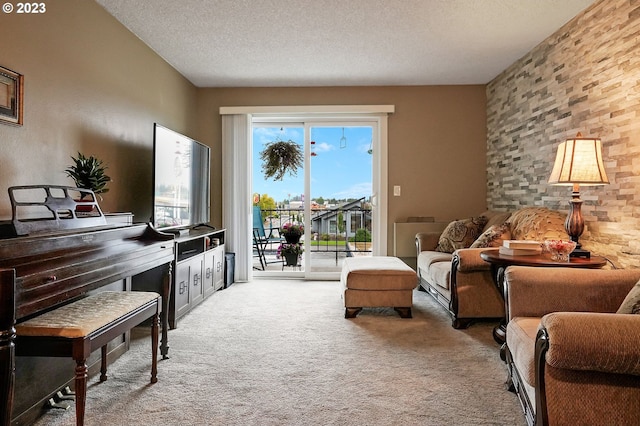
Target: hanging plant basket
281,157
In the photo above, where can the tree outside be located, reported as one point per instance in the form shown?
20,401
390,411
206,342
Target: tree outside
267,204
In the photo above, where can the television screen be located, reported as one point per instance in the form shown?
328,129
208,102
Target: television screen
180,180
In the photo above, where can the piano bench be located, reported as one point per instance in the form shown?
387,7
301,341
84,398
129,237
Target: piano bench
77,329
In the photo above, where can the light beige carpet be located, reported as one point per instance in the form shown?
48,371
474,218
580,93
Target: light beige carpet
282,353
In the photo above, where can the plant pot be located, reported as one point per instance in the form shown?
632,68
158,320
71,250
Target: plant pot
292,238
84,208
291,259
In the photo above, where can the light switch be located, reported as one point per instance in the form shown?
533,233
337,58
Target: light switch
396,190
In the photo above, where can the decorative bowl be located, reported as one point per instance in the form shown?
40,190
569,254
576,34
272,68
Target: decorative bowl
559,249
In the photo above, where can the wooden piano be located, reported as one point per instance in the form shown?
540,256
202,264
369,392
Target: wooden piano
41,272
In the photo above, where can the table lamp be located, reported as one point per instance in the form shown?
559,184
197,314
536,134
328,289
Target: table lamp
578,162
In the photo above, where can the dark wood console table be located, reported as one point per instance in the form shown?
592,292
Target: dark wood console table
500,262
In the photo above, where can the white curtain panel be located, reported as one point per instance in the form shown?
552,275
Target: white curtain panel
236,192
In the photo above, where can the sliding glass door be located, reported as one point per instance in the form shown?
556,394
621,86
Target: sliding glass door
340,189
328,196
278,198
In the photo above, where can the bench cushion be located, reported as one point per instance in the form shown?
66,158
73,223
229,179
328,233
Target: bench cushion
377,273
83,317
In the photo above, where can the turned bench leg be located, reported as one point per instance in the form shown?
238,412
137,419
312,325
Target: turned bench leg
81,390
155,323
103,363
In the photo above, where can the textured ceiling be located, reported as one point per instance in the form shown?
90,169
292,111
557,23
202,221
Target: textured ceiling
251,43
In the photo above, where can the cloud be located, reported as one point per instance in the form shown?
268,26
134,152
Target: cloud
358,190
323,147
364,147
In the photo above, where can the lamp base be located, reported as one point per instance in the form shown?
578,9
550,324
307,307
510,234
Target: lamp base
579,252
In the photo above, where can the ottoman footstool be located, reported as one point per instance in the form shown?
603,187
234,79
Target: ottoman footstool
377,281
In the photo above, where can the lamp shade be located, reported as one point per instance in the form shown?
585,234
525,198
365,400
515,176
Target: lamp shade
579,161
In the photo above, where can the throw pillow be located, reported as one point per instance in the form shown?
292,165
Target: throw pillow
493,236
538,223
460,234
495,217
631,303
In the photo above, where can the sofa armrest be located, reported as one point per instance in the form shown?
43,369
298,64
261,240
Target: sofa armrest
537,291
427,241
593,341
469,260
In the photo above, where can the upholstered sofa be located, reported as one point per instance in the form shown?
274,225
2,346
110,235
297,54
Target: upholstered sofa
450,268
573,351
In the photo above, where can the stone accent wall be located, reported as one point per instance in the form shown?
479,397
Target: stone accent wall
583,78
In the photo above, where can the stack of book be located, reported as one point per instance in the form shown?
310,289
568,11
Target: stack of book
520,247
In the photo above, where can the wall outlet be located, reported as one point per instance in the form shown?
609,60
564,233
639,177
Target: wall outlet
396,191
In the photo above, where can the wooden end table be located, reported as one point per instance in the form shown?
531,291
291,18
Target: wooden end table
500,262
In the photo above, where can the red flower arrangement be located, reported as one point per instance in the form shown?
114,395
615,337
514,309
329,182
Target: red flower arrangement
291,229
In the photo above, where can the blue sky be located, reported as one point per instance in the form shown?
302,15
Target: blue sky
335,172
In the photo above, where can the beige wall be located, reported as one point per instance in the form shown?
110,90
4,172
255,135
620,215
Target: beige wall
90,86
583,78
436,141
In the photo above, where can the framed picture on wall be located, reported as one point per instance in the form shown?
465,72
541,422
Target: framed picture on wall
11,92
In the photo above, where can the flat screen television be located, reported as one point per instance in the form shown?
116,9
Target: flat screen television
181,169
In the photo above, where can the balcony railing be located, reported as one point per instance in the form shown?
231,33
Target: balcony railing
343,231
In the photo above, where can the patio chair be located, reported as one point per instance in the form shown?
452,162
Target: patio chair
263,239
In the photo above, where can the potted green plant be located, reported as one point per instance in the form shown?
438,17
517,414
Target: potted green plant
89,173
290,253
280,157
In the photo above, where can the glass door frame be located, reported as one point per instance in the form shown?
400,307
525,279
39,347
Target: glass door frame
379,196
308,124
